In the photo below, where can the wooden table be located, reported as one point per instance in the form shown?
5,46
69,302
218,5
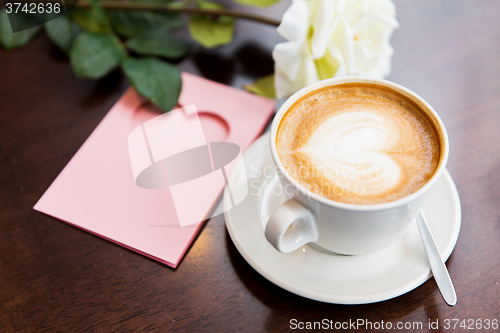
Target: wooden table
54,277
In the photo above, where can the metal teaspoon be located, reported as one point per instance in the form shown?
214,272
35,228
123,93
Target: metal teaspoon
438,267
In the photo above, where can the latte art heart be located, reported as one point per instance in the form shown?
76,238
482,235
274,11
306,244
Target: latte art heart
349,150
357,144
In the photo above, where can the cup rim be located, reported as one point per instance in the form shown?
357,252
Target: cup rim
357,207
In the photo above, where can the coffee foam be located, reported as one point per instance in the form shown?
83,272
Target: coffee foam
357,144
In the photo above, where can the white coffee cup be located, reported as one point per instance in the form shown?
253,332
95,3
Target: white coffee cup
340,227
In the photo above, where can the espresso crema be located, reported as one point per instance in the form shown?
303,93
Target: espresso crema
358,143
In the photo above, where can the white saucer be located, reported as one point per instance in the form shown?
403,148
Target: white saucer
328,277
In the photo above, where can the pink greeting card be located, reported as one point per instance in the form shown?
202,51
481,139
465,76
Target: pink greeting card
97,190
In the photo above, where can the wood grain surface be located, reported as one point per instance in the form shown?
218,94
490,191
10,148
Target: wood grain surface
56,278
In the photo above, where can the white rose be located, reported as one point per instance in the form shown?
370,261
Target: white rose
333,38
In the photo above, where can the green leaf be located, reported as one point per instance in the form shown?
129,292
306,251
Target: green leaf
211,31
326,66
101,14
89,20
162,45
62,31
129,23
95,55
158,81
10,40
258,3
263,87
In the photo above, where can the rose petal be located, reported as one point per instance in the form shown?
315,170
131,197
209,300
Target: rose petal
294,24
352,35
323,24
344,39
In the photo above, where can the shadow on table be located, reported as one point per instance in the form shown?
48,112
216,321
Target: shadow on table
102,89
249,60
284,306
214,66
255,60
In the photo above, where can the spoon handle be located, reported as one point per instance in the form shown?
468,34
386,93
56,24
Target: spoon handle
438,267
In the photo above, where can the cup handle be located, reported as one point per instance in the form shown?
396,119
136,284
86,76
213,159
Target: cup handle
291,226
